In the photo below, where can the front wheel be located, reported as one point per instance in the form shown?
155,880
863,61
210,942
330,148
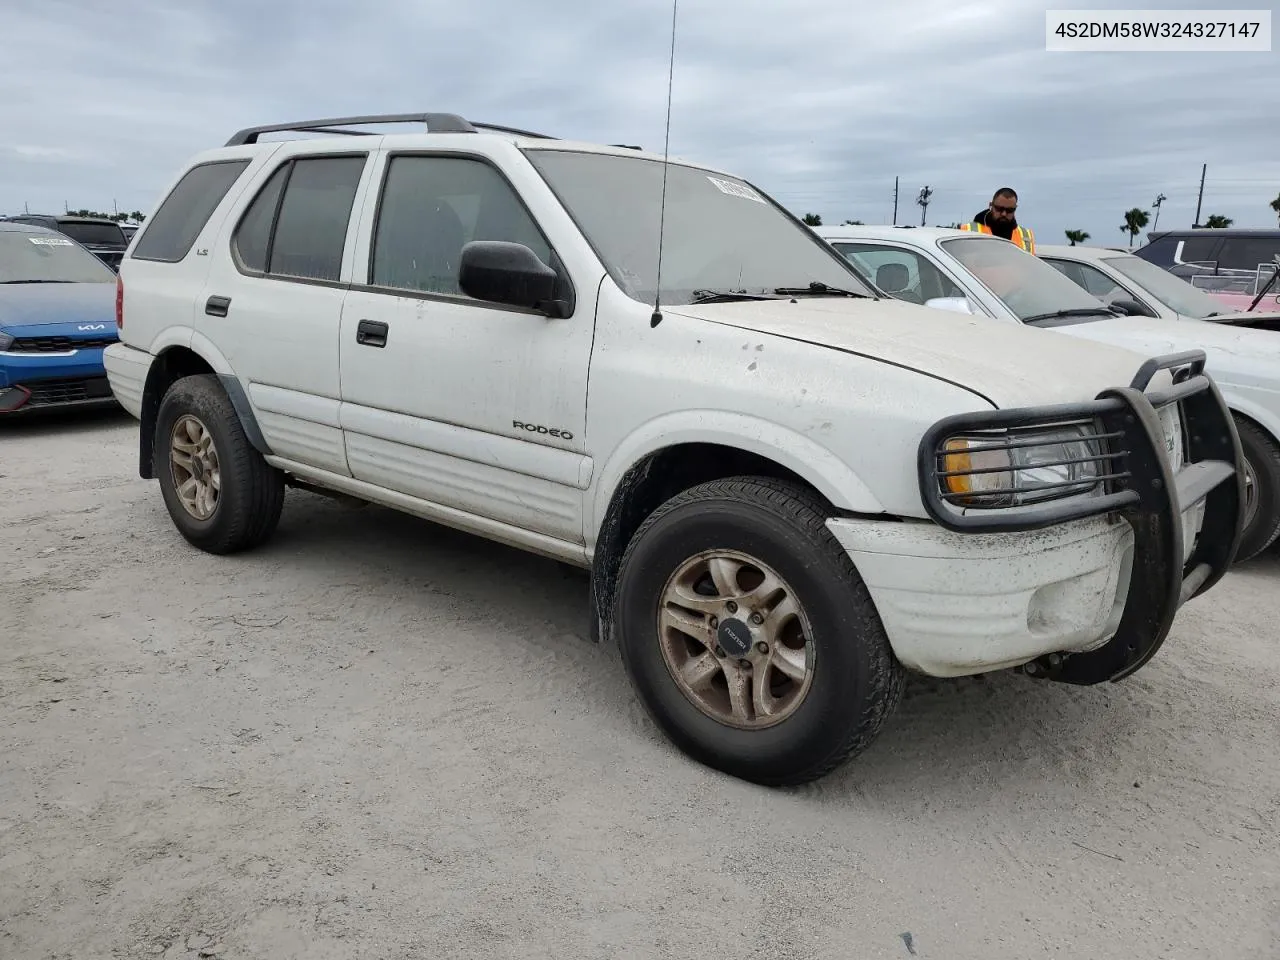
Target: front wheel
750,637
221,494
1262,490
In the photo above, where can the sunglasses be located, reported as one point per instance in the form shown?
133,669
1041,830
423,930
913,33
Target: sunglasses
1001,208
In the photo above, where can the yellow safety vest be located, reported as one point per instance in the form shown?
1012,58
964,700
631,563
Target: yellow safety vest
1022,236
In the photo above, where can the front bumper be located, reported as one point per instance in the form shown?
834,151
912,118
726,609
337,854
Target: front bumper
34,382
1082,589
955,604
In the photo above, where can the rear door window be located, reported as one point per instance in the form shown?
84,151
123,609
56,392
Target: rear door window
296,227
1200,250
168,235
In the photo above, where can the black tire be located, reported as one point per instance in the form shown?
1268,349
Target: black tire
251,493
1263,455
856,680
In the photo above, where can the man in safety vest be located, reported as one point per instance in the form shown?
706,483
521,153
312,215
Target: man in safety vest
999,219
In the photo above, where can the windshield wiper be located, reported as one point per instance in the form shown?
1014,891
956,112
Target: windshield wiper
724,296
36,281
820,289
1076,312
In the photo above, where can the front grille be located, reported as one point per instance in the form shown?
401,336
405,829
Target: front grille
48,392
57,344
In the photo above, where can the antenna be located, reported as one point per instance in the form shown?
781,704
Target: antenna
666,146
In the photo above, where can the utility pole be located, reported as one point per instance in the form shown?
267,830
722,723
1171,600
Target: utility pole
1159,200
1203,168
895,201
923,200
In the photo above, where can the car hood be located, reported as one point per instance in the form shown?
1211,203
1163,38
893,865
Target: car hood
1235,354
1258,319
40,304
1006,363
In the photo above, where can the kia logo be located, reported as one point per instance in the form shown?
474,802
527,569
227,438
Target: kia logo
92,326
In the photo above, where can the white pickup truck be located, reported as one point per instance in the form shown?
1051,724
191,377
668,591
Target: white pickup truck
788,489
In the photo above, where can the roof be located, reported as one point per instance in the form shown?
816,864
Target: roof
1268,233
438,127
10,226
1080,252
912,236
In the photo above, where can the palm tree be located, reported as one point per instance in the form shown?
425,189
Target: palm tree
1275,205
813,219
1077,236
1134,221
1218,222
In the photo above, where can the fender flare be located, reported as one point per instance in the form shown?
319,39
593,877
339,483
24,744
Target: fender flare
177,338
800,454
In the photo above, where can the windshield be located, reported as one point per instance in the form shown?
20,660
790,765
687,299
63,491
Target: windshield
1024,283
720,234
93,233
27,257
1174,292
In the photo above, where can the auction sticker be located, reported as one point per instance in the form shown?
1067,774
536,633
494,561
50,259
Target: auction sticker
50,241
736,189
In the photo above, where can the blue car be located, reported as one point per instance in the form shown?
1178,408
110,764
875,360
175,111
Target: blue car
57,313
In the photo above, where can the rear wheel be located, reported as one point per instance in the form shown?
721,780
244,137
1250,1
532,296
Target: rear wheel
750,637
221,494
1262,490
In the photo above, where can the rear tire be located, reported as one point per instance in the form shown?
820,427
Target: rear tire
221,494
1263,456
815,684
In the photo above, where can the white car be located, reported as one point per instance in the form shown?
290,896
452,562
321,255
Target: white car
1140,288
984,275
788,489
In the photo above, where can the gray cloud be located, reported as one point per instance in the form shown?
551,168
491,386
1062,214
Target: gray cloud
819,104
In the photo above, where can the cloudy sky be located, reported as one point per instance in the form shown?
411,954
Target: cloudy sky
819,103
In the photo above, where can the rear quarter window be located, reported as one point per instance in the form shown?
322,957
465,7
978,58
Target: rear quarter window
169,233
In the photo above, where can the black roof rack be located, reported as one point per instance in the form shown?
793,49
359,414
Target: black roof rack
435,122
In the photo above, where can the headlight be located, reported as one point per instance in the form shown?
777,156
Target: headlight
1014,468
5,340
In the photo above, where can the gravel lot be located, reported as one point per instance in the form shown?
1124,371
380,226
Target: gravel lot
379,738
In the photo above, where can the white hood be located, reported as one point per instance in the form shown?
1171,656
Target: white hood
1009,364
1235,355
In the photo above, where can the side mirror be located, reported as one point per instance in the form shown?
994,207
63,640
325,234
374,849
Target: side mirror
511,273
954,304
1130,308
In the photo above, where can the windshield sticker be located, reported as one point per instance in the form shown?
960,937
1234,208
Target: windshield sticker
736,190
50,241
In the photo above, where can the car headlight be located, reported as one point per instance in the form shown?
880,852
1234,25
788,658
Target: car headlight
5,340
1013,468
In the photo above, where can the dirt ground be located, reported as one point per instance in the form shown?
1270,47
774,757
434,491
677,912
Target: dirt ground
378,738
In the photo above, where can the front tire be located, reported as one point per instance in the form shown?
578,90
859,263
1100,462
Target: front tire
221,494
1262,499
749,635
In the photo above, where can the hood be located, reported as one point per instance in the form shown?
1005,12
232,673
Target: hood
1258,319
1235,354
1006,363
41,304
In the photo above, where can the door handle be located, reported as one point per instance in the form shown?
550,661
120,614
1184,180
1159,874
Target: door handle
371,333
217,306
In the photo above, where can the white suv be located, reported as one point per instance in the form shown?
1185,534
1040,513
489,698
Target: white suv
789,490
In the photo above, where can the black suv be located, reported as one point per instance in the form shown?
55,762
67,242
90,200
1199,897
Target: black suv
103,238
1194,252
